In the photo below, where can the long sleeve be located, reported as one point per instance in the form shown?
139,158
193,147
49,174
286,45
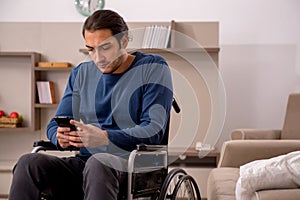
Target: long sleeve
64,108
154,98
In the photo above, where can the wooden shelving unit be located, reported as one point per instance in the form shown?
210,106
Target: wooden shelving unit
14,64
28,62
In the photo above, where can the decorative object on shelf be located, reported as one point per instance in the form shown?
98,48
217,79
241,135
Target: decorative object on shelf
54,64
87,7
46,94
14,120
204,147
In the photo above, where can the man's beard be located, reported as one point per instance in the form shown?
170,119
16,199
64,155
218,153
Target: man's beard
113,66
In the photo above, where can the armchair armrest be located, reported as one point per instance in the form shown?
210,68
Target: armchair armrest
235,153
254,134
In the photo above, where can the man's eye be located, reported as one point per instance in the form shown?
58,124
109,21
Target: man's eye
106,47
90,50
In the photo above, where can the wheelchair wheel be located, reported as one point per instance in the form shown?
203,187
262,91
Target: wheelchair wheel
179,185
186,188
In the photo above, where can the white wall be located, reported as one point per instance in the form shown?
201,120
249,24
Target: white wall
259,42
250,21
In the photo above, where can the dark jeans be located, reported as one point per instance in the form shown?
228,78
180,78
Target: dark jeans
41,176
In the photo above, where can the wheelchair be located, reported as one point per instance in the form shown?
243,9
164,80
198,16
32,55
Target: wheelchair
160,184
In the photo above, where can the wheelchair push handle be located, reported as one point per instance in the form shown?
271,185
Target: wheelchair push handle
175,105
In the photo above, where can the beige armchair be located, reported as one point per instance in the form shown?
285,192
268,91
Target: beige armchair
248,145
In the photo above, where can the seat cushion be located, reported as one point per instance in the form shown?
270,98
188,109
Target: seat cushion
221,183
279,172
279,194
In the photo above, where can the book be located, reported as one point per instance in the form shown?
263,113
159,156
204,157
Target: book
147,32
156,36
167,37
46,93
150,36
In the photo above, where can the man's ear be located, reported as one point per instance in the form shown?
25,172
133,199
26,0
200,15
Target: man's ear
124,41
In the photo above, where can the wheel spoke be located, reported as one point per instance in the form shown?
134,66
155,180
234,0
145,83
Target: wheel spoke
178,186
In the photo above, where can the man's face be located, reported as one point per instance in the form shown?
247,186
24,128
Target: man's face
104,49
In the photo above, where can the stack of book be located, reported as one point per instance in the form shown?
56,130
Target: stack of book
46,94
156,36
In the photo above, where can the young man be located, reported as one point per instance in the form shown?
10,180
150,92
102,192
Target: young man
117,101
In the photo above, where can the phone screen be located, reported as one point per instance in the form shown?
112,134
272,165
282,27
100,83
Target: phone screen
63,121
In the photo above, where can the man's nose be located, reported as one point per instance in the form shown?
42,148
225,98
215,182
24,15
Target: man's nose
99,56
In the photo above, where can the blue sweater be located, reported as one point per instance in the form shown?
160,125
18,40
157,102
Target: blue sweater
133,106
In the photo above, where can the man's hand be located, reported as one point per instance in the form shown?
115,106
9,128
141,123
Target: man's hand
88,135
66,137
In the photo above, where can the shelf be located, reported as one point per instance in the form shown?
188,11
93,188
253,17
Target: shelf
193,158
53,68
37,105
171,50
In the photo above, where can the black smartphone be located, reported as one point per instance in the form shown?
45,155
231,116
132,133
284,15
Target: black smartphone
64,121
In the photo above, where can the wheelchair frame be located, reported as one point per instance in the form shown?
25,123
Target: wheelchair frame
165,191
178,175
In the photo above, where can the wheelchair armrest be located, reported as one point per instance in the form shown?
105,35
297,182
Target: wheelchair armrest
145,151
46,144
49,146
146,147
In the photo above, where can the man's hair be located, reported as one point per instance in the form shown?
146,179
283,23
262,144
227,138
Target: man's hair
106,19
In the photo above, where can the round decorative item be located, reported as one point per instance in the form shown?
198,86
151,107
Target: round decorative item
87,7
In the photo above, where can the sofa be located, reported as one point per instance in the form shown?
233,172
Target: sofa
248,145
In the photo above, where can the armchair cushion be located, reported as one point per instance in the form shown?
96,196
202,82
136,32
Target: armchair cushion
279,172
